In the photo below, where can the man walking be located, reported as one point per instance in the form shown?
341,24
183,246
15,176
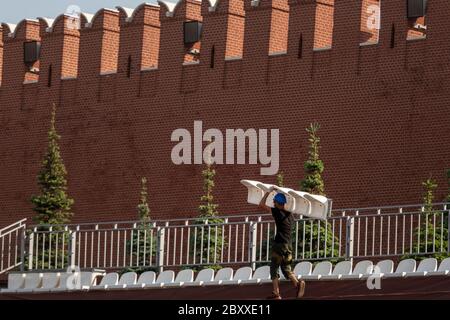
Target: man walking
281,254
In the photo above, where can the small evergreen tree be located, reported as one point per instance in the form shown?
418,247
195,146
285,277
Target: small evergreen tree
428,234
313,182
143,208
430,186
280,179
208,235
142,245
52,206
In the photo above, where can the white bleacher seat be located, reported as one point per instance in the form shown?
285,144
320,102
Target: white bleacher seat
164,278
16,281
62,286
261,275
301,204
319,206
145,279
425,266
243,273
32,281
385,267
225,274
266,187
321,269
50,281
302,269
404,266
109,280
444,269
361,270
127,279
342,268
183,277
88,280
255,194
382,268
204,276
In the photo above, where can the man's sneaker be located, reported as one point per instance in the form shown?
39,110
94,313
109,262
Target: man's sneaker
274,296
301,289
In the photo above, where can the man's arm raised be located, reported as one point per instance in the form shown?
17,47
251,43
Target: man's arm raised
262,204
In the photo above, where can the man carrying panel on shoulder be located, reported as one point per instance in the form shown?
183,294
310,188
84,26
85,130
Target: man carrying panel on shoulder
281,254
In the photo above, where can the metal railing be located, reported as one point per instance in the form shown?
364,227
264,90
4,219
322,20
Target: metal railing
12,245
237,240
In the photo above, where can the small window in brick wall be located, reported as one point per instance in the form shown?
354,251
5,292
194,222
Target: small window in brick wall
192,38
31,53
416,13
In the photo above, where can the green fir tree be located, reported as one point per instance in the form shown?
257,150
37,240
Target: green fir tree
280,179
208,233
314,167
52,207
319,240
431,235
143,243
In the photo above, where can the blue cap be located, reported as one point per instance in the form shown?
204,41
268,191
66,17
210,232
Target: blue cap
280,198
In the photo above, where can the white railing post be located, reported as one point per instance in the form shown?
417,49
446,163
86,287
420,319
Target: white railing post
160,249
72,248
30,250
23,236
349,238
253,238
448,229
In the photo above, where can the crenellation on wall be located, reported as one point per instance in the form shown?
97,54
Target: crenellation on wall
173,51
302,25
126,80
392,44
346,36
271,27
222,38
438,31
138,48
99,45
265,32
324,26
15,72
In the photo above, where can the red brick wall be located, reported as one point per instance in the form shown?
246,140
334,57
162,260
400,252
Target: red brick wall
324,27
1,53
384,111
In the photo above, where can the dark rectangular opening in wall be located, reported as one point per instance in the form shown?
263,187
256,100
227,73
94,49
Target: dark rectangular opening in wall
31,52
213,56
50,74
417,8
192,31
129,67
393,36
300,47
